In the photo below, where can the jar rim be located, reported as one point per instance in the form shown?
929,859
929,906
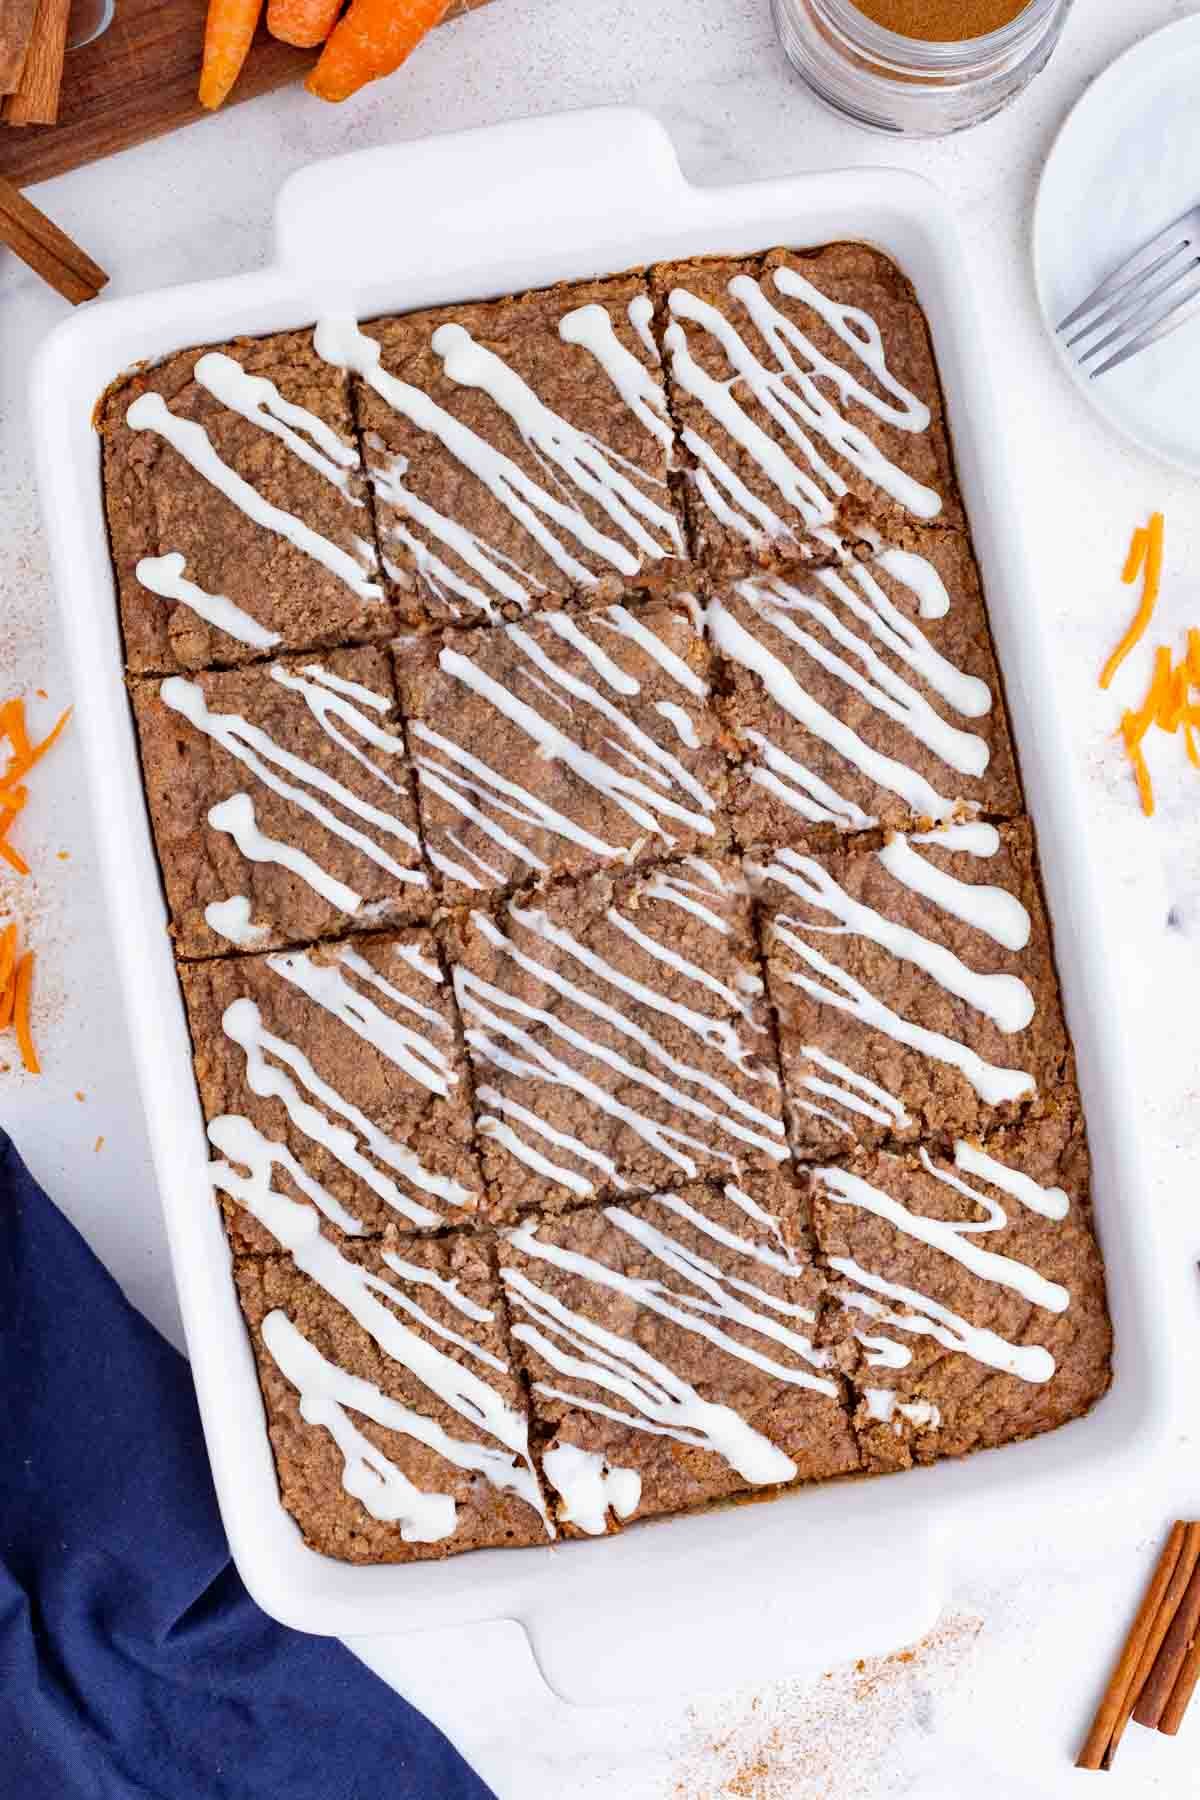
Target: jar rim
933,53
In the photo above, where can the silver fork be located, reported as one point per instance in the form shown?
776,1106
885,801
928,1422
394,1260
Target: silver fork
1128,300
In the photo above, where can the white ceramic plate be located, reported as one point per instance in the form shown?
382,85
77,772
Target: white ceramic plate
1127,162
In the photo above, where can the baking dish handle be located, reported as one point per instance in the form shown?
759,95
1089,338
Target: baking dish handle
449,202
812,1589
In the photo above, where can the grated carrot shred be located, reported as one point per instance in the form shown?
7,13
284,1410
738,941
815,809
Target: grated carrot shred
22,983
1142,777
1136,556
12,857
1151,577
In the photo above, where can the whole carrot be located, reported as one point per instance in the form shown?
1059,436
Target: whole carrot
228,33
303,22
373,38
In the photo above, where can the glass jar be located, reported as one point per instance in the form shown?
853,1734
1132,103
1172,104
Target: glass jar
907,85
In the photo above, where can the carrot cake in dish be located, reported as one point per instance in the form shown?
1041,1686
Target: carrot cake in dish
912,984
618,1037
238,513
622,1001
863,694
562,745
807,401
671,1350
282,801
519,451
972,1279
342,1068
398,1424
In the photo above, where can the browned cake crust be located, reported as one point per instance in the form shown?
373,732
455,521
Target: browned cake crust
561,745
311,1465
634,1322
540,522
855,698
618,1038
1033,1357
364,1088
898,1017
159,505
323,773
814,481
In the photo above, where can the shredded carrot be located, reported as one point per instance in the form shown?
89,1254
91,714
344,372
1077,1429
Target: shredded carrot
8,958
1152,575
1142,777
228,33
1193,655
12,727
1136,556
303,22
371,39
24,762
12,857
22,983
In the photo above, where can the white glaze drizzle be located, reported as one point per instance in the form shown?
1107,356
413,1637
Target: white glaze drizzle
276,1068
950,1237
271,763
591,327
231,919
641,311
928,1318
150,412
589,1485
308,437
657,1399
1002,998
886,1407
992,910
653,787
297,1228
164,576
791,395
606,478
514,1037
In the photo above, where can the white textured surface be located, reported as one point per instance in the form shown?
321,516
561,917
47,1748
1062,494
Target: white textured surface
1033,1618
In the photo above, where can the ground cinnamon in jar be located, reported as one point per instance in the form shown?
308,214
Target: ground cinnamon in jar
942,21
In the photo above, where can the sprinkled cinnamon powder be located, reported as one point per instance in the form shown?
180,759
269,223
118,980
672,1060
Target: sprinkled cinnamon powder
942,21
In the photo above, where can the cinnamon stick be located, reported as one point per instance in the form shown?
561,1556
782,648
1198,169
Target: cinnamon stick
1177,1705
35,101
1120,1696
1176,1588
1168,1664
48,251
16,29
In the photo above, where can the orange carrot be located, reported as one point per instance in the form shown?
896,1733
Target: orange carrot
12,857
1150,581
21,987
303,22
228,33
372,39
1136,557
8,958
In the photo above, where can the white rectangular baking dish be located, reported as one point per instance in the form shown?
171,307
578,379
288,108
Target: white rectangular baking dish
730,1595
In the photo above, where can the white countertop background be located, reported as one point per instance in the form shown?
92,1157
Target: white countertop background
996,1701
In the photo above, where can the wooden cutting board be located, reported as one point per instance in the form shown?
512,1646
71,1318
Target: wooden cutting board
138,81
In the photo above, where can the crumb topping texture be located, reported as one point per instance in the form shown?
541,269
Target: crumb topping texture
623,1005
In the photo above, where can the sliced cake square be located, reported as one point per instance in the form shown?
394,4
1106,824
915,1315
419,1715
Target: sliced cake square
338,1073
671,1346
281,801
913,984
863,694
974,1286
398,1426
237,511
519,451
807,400
619,1037
562,745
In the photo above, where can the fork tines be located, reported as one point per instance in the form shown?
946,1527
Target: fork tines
1151,294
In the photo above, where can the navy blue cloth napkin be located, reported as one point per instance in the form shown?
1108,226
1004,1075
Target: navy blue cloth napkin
133,1663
